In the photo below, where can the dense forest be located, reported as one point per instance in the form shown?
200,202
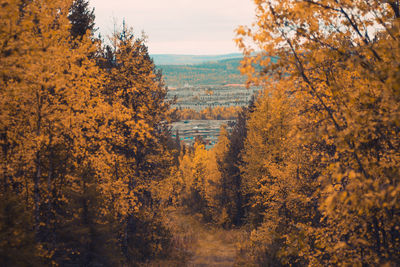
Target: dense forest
172,59
308,175
83,138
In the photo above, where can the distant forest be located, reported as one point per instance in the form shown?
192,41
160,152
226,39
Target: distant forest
174,59
209,73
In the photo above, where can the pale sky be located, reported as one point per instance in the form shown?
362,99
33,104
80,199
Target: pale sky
199,27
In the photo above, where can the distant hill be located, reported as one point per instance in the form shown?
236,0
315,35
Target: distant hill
219,72
167,59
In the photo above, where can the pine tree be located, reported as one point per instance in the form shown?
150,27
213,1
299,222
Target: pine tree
229,165
138,140
81,18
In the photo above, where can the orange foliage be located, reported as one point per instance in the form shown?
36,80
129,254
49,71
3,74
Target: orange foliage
82,145
338,68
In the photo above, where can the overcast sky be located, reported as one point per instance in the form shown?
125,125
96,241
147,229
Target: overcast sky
197,27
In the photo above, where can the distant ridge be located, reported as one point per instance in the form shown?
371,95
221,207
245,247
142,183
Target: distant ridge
175,59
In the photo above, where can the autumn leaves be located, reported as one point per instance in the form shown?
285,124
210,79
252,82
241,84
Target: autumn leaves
329,190
81,139
312,168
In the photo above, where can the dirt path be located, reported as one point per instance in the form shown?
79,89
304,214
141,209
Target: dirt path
195,244
213,248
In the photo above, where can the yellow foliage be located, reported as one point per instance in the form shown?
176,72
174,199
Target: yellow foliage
83,145
337,72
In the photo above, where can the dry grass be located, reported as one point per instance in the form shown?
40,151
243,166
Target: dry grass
195,244
183,239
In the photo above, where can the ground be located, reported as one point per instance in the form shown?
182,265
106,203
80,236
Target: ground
212,249
197,244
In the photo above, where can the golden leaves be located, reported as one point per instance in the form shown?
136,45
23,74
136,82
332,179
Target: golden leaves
334,71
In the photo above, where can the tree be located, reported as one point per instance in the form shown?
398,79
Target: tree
138,138
229,165
81,18
49,101
82,145
341,57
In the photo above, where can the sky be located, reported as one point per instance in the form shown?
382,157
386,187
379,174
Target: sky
195,27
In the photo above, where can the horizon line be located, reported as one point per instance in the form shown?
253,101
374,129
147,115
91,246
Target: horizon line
174,54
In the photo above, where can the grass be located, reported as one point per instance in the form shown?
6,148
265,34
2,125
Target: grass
197,244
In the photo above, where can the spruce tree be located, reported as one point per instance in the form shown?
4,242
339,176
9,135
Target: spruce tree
81,18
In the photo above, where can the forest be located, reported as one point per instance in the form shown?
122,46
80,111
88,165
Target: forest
217,113
183,59
219,72
84,137
308,175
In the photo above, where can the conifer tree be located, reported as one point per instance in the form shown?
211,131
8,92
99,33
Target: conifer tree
138,140
81,18
229,165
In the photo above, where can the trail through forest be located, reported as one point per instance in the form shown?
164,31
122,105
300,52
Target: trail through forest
212,249
200,244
